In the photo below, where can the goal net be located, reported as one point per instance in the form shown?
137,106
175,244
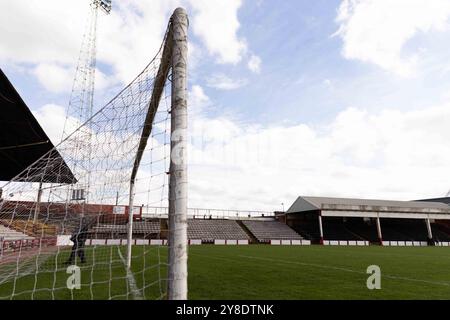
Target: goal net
75,224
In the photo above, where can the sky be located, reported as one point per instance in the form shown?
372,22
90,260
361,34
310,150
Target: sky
347,98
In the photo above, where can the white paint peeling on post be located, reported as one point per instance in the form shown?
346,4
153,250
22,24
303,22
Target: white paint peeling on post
177,282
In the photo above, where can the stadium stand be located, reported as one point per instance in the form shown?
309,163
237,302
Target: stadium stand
210,230
355,219
391,234
335,229
308,230
264,231
404,230
141,229
366,230
9,234
443,225
30,228
440,232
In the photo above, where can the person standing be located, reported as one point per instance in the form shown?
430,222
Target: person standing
79,239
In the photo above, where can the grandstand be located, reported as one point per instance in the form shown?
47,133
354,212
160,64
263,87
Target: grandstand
337,220
344,221
141,230
205,230
375,221
9,234
30,228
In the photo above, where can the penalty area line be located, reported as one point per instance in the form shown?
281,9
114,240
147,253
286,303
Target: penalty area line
135,292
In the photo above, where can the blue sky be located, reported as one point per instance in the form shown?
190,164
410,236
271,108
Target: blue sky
333,98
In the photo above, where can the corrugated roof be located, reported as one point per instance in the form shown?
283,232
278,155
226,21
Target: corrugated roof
305,203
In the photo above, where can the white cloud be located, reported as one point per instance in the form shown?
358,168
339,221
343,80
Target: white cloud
127,38
57,78
377,31
389,154
48,35
328,83
132,34
52,118
54,77
254,64
216,23
223,82
198,100
35,31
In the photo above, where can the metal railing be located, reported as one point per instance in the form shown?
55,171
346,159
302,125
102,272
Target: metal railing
208,213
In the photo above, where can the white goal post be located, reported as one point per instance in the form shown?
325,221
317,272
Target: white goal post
174,57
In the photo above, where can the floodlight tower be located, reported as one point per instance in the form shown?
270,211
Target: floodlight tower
81,103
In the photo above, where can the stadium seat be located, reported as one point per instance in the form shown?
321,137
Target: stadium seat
366,230
404,230
9,234
335,229
210,230
141,229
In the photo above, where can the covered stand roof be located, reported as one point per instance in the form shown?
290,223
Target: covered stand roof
345,207
23,142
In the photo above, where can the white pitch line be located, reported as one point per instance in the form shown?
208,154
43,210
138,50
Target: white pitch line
135,292
345,270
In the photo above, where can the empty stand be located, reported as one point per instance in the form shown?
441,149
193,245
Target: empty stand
366,230
440,232
9,234
335,229
264,231
308,229
141,229
30,228
404,230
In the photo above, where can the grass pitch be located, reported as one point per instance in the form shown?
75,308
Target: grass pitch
243,272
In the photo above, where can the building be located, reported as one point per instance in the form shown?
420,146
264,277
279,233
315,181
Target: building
323,218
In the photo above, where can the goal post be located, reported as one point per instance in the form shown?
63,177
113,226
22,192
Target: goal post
177,280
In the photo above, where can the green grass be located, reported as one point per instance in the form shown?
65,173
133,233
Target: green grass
249,272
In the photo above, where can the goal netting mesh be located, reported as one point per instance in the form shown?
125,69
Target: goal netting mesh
71,208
